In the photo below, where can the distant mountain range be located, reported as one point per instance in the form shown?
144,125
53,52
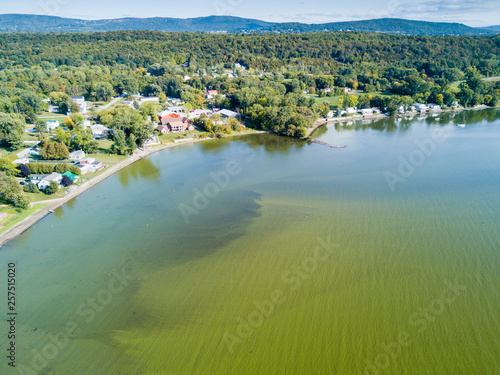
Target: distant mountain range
23,23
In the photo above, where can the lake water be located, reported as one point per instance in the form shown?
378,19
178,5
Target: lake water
268,255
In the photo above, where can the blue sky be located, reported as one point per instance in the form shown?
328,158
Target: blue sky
473,13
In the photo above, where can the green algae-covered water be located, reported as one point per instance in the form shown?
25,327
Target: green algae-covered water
267,255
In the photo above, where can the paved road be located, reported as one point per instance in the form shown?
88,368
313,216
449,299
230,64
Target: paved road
115,100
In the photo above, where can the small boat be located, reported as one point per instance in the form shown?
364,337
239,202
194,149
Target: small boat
462,125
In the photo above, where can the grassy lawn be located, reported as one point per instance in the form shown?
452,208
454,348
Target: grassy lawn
333,100
10,216
173,136
37,197
52,116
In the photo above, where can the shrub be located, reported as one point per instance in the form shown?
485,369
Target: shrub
31,188
20,200
52,188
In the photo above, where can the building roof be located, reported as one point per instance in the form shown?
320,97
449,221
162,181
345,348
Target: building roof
52,177
98,127
70,175
77,153
227,113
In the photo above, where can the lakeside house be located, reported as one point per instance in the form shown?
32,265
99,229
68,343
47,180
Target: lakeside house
165,116
89,165
163,129
99,131
53,109
21,161
45,182
367,112
421,107
128,103
36,178
51,125
73,177
77,155
197,113
210,94
226,113
178,124
80,101
151,99
175,101
176,109
434,107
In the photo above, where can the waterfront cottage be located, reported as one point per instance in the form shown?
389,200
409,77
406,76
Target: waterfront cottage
52,125
45,182
84,168
163,129
179,124
77,155
36,178
73,177
226,113
99,131
87,161
421,107
80,101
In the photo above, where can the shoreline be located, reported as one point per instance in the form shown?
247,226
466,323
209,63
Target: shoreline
51,205
324,121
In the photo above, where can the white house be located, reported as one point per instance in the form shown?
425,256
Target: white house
53,109
52,125
175,101
84,168
421,107
367,111
187,78
226,113
434,107
177,109
351,110
80,101
77,155
99,131
330,114
151,99
87,161
45,182
198,112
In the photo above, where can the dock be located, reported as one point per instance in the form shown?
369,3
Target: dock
328,144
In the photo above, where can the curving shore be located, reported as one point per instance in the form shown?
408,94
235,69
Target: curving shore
25,224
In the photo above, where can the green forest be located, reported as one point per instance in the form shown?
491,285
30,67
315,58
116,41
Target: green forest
384,71
276,82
